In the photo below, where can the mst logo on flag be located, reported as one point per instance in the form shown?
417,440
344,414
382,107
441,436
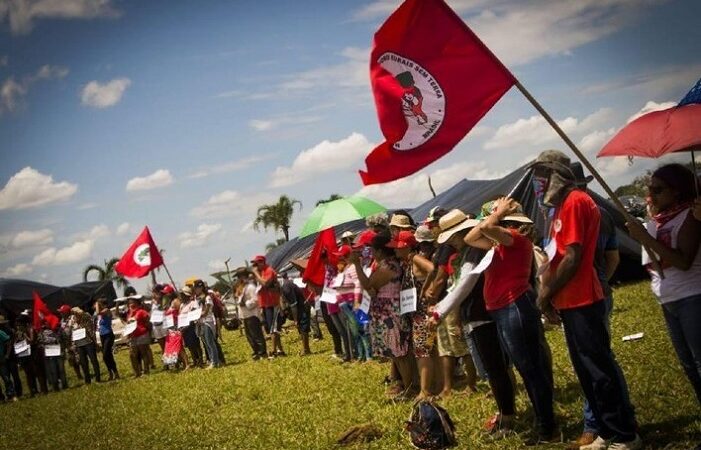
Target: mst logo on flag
422,99
432,80
140,258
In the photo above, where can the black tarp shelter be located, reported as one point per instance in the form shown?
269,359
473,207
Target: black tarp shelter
17,295
468,196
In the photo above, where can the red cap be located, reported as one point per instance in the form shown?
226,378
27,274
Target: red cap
167,290
343,251
258,258
64,309
364,238
403,240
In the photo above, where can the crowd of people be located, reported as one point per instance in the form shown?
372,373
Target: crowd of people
456,289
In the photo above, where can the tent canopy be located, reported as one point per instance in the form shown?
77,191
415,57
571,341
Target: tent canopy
468,196
17,295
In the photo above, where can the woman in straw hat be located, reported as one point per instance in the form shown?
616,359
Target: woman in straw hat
510,299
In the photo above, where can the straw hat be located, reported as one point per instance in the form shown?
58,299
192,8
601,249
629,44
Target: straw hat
400,221
452,222
347,235
424,234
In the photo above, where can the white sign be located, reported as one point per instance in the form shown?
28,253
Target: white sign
156,316
633,337
168,321
78,334
407,301
338,281
365,304
183,320
129,328
52,350
21,347
328,295
486,261
194,314
317,304
550,251
301,284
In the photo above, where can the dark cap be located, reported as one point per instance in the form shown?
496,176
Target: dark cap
554,160
578,171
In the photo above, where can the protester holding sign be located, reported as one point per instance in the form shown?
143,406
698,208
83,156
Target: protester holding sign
104,327
389,336
139,337
208,324
269,300
66,340
25,346
189,329
82,331
49,342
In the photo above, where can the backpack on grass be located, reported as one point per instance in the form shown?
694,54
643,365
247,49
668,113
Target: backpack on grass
430,426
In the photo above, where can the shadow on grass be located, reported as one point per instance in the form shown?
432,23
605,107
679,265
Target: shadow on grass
669,433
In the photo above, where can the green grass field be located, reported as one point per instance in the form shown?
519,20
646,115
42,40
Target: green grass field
306,403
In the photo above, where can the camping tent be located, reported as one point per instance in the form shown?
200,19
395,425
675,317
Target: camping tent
17,295
468,196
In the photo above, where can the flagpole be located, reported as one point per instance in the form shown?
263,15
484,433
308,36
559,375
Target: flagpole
171,279
614,198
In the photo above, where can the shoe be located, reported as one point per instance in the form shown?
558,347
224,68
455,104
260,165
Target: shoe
210,366
280,353
597,444
635,444
586,438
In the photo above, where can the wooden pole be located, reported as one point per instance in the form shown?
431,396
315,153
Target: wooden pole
614,198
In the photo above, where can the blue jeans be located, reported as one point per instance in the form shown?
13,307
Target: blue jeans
521,334
590,423
683,318
589,345
479,367
210,341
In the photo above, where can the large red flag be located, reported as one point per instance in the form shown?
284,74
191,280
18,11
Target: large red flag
41,313
433,80
141,258
316,268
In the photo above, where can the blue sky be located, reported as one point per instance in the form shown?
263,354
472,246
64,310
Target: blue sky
187,116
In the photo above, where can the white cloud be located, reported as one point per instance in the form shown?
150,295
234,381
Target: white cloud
29,188
535,131
85,206
269,124
123,228
158,179
230,166
650,107
654,83
32,238
411,191
95,233
536,28
21,14
199,237
231,203
216,265
104,95
12,92
324,157
77,252
17,270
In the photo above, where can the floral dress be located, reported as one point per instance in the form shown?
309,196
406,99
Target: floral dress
423,338
389,336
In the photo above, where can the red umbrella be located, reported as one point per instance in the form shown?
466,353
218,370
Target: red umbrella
658,133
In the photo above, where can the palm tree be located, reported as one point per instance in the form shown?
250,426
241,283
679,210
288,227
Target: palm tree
272,245
277,216
330,199
106,273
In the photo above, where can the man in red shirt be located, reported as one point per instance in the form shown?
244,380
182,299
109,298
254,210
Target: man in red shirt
571,287
269,300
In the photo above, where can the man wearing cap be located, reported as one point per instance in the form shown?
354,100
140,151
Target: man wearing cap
571,287
269,300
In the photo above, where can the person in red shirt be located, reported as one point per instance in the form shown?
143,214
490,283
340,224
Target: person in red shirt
570,287
510,300
139,339
269,300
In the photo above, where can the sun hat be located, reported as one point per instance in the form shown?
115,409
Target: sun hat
187,290
554,160
424,234
405,239
343,251
400,221
578,171
452,222
364,238
347,235
258,258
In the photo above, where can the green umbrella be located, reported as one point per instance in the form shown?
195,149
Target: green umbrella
338,212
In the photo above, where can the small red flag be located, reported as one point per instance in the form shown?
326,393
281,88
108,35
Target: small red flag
141,258
433,80
316,268
42,314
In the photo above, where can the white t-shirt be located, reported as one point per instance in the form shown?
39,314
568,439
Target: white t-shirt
209,319
676,284
250,301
